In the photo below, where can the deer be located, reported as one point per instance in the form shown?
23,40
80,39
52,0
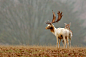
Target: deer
67,26
60,33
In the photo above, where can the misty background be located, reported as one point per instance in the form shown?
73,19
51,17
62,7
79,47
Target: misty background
22,22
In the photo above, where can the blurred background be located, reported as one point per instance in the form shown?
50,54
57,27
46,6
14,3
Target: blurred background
22,22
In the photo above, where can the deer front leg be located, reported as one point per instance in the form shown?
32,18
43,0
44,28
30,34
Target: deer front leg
57,41
64,41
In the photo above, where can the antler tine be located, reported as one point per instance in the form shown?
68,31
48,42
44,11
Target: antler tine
54,17
59,16
53,20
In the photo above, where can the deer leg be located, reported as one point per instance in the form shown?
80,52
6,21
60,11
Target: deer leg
70,41
67,42
59,42
64,41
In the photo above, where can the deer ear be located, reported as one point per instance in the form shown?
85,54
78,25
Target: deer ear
65,23
70,23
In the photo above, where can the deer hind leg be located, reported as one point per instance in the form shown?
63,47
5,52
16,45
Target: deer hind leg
67,42
70,41
59,42
64,41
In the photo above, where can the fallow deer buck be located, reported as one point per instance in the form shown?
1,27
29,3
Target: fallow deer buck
60,33
67,26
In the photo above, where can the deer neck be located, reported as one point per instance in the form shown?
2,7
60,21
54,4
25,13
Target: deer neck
53,29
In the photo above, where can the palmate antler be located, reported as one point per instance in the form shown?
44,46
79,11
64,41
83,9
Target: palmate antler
54,17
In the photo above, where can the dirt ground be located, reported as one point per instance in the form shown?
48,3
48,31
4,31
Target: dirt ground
41,51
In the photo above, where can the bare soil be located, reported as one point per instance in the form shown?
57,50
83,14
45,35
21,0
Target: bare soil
41,51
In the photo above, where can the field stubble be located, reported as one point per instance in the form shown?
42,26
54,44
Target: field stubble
41,51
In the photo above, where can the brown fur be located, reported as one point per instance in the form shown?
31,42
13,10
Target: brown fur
67,26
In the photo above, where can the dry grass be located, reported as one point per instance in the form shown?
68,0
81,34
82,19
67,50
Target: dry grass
41,51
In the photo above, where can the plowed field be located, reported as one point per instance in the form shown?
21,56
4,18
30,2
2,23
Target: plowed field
41,51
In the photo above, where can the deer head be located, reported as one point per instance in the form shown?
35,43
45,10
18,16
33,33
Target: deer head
50,25
67,26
